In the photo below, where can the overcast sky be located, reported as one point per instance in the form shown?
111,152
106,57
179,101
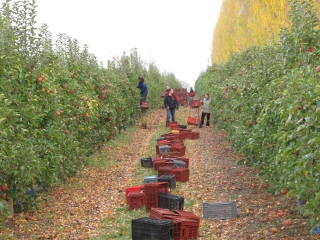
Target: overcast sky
175,34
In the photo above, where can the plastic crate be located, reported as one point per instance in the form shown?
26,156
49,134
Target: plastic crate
151,193
158,163
169,154
178,148
179,164
160,139
193,135
163,142
170,179
136,200
169,163
149,179
188,215
183,126
163,148
149,228
170,123
173,126
161,213
133,189
164,171
182,174
146,162
170,201
185,160
184,228
220,210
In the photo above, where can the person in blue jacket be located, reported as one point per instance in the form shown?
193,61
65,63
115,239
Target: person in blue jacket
143,89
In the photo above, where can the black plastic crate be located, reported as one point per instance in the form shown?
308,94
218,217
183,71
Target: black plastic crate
171,179
146,162
170,201
182,126
152,229
164,149
179,163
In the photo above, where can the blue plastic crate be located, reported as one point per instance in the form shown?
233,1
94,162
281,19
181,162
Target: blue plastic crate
149,179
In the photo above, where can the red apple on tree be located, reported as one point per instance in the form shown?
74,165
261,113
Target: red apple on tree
284,191
4,187
318,68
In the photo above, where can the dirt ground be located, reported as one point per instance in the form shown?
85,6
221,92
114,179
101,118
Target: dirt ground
79,209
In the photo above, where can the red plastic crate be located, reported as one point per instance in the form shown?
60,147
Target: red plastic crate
171,123
133,189
174,136
160,213
178,148
169,163
184,228
151,193
193,135
164,142
188,215
173,126
164,171
169,154
159,163
181,174
136,199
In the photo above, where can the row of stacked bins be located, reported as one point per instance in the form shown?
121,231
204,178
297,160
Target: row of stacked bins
167,219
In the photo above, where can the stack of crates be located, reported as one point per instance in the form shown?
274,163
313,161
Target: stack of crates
170,201
149,228
151,193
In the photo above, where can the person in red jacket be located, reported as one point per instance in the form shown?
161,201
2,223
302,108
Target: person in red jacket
171,104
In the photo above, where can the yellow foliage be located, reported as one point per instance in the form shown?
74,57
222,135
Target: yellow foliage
246,23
